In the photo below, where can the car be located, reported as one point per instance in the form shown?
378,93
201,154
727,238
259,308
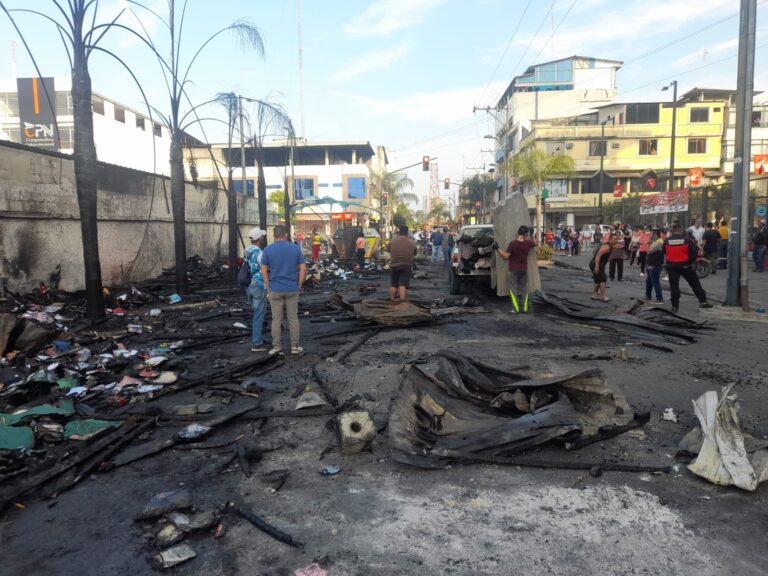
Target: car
604,228
472,258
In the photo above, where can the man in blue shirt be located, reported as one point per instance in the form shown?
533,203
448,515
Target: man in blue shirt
283,271
256,290
437,244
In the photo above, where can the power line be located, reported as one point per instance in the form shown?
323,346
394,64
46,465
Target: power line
506,50
551,36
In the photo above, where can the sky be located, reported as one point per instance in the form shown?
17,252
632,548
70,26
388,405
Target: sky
404,74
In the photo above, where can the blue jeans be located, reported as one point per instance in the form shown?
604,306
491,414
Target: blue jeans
653,280
436,252
258,297
758,257
447,256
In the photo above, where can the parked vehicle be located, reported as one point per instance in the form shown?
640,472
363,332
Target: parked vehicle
604,228
702,266
472,258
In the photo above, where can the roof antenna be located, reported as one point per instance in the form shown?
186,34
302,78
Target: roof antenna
302,127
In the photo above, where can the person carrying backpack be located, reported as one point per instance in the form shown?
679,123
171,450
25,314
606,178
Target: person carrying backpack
250,277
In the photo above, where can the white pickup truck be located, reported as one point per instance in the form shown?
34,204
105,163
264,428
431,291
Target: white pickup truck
472,258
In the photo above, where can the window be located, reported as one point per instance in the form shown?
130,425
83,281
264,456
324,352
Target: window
648,147
356,187
303,188
98,105
157,130
140,123
237,185
597,148
63,104
9,104
67,136
699,115
697,145
119,114
643,113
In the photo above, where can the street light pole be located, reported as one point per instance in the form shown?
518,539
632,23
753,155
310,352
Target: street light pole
671,182
242,146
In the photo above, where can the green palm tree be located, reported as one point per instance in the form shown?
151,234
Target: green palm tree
534,166
439,211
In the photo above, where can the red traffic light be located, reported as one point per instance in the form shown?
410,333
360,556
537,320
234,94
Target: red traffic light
425,163
447,183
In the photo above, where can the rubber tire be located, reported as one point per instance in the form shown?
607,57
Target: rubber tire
703,268
454,282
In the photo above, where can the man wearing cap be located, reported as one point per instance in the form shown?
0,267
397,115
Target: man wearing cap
256,290
760,239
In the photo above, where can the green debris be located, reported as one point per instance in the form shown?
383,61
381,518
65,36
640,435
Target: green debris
84,429
16,438
67,382
65,408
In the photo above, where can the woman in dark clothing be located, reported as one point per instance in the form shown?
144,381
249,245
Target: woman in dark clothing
575,239
617,257
597,267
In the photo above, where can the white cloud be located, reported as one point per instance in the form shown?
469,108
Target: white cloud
443,107
701,56
370,61
384,17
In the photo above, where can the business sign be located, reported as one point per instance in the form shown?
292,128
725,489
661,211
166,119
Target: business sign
760,161
664,202
694,176
342,216
37,112
558,190
618,191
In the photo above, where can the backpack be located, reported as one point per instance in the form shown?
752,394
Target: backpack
244,274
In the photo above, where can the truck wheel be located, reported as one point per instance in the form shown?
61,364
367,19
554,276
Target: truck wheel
455,283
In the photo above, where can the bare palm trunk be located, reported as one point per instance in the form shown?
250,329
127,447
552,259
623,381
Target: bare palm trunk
86,181
178,207
287,210
232,226
261,187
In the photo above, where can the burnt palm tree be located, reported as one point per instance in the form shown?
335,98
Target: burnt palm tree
176,72
231,104
75,23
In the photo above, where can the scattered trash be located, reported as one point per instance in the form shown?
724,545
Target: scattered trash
174,298
135,328
356,432
165,502
16,437
669,414
240,325
193,432
310,399
165,378
168,535
723,457
313,569
330,470
85,429
389,313
155,312
265,527
191,523
174,556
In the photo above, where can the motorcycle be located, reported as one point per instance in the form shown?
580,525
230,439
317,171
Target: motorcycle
702,265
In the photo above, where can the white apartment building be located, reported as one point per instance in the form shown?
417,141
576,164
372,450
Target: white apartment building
123,136
566,87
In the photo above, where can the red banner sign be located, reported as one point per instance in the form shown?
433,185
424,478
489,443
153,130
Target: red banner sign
760,160
663,202
342,216
694,176
618,191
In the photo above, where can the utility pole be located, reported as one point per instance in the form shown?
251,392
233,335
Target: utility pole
602,174
737,291
242,146
671,182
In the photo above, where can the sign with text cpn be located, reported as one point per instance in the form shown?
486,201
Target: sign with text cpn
37,112
664,202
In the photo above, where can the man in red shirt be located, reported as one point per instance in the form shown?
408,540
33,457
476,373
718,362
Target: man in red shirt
517,256
680,252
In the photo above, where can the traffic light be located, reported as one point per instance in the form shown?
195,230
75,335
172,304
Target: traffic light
447,183
385,199
425,163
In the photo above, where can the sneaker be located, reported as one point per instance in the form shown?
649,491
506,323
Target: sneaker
274,351
675,309
297,351
259,348
659,301
706,305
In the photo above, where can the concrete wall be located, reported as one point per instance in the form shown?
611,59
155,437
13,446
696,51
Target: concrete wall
40,226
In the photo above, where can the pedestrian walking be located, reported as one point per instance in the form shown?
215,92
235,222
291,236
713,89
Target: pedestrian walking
516,255
711,242
597,266
654,264
722,251
360,250
284,272
575,242
448,243
402,251
627,236
617,257
256,289
759,240
316,241
680,252
437,244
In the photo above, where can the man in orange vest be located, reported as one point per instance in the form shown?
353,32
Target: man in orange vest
680,252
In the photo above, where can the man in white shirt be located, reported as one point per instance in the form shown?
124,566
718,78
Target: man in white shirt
697,231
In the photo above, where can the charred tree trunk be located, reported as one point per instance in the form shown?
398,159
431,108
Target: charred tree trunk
261,187
287,210
86,178
178,207
232,226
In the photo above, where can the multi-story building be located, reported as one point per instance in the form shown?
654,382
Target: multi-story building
330,182
566,87
633,140
123,136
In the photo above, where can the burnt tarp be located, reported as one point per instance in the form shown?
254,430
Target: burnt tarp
392,313
463,410
641,323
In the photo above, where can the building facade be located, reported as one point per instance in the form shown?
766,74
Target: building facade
123,136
